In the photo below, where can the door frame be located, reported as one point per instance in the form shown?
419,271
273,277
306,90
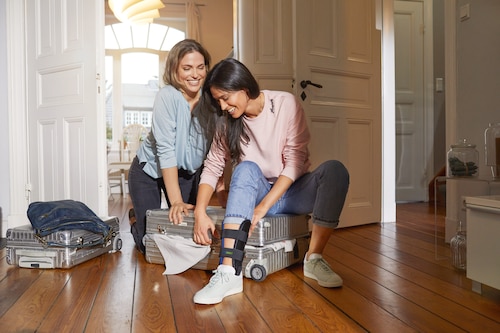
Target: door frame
17,105
388,186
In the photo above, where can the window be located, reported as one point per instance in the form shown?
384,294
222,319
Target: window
151,36
146,119
138,52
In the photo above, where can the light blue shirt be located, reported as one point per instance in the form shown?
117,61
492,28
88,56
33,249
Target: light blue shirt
174,140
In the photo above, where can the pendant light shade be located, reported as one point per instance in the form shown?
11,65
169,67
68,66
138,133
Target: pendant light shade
136,11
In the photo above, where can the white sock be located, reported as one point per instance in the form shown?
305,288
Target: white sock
226,269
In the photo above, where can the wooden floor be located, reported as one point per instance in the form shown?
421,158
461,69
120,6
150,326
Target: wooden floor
395,280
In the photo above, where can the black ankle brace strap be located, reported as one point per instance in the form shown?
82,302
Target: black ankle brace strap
235,254
237,235
240,237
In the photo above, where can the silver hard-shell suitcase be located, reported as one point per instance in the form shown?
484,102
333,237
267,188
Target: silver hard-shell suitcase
269,230
275,228
26,250
260,261
157,223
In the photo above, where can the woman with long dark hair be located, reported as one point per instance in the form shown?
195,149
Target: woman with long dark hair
265,136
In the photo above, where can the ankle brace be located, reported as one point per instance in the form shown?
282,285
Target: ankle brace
240,237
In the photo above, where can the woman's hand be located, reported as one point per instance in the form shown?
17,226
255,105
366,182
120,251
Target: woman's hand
178,210
280,186
204,228
258,213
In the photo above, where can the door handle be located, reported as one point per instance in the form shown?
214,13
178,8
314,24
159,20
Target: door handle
304,84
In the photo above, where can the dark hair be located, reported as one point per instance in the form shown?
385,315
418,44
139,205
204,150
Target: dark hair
175,56
228,75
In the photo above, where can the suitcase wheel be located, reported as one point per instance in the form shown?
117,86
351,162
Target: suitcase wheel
258,273
117,244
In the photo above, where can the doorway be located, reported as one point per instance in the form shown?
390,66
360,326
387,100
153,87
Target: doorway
413,25
135,57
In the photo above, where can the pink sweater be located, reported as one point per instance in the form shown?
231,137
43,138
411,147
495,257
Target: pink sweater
278,141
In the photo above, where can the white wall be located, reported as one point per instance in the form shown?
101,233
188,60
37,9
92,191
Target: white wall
216,28
4,121
478,77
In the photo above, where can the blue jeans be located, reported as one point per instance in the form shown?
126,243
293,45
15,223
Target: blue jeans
321,193
145,192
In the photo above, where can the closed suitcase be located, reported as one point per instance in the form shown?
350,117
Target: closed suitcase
260,261
275,228
157,222
269,230
76,246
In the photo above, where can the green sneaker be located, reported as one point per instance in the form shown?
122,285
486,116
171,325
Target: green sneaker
317,268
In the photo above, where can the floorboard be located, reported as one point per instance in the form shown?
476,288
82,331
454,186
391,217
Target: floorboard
397,278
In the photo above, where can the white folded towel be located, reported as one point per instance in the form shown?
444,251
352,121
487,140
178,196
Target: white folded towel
179,253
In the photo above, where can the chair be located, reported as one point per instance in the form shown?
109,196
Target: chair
114,180
133,135
118,176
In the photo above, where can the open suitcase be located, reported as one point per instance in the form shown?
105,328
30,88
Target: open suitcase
76,246
259,251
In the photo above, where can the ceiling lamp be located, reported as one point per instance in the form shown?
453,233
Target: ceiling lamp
136,11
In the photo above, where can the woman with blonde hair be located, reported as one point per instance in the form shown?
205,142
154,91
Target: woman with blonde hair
170,159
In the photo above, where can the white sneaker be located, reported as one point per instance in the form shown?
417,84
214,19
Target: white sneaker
223,283
317,268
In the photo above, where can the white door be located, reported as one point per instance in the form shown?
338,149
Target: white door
67,143
411,160
264,41
338,48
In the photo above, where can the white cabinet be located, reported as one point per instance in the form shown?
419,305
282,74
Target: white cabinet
483,241
457,188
